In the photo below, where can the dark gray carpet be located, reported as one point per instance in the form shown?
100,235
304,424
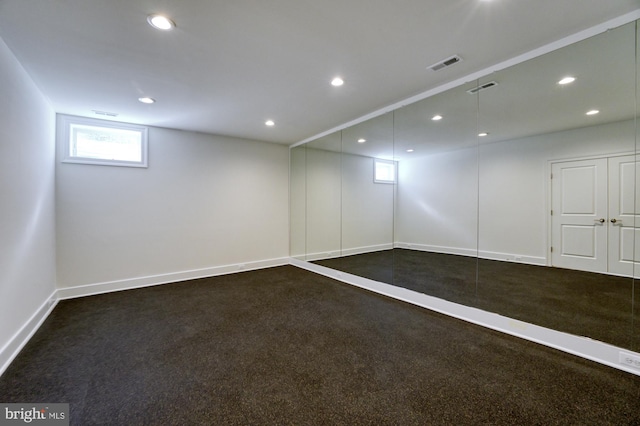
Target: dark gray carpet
583,303
286,346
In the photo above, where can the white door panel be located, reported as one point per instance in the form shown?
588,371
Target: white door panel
579,241
626,247
579,203
622,233
579,190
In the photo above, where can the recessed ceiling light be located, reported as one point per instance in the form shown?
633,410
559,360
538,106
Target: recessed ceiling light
567,80
146,100
410,150
337,82
362,140
269,123
436,117
593,112
160,22
483,134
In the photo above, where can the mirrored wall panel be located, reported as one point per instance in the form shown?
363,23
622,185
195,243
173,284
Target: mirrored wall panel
557,179
518,193
636,270
323,166
436,239
368,175
298,202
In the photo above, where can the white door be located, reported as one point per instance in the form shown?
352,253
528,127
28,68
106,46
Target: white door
623,234
579,215
593,222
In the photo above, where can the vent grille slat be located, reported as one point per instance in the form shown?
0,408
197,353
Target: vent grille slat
445,63
482,87
108,114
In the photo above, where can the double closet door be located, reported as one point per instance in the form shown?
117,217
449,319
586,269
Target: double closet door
593,215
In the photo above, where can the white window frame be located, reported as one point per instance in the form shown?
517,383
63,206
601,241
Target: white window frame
377,161
65,142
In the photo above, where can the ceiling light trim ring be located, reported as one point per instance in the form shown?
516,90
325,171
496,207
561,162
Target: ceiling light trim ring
160,22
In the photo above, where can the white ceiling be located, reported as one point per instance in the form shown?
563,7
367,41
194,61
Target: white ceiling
229,66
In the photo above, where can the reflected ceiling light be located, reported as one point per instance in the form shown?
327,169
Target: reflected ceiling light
362,140
337,82
160,22
593,112
567,80
146,100
410,150
270,123
483,134
436,117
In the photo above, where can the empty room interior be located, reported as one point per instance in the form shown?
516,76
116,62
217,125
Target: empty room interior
336,212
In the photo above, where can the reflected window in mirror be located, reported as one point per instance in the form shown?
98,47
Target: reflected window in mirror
384,171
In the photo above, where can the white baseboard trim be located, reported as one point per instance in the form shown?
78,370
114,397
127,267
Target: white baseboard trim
437,249
20,339
510,257
366,249
312,257
341,252
584,347
132,283
482,254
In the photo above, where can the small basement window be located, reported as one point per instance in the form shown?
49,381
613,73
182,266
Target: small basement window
384,171
101,142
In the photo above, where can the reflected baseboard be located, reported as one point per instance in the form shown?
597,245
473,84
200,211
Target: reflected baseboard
332,254
437,249
470,252
482,254
584,347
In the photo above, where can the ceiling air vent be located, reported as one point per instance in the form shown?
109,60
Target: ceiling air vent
445,63
108,114
482,87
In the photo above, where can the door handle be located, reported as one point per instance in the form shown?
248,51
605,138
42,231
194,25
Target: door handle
614,221
601,220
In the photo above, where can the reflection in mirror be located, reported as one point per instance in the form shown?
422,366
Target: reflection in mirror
297,202
436,221
323,197
367,203
513,195
556,193
636,274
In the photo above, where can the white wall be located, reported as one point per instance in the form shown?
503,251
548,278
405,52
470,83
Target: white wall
438,202
437,194
204,202
27,221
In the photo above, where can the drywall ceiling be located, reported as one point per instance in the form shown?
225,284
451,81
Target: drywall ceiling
228,66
